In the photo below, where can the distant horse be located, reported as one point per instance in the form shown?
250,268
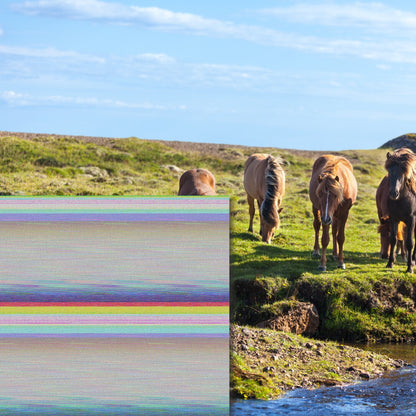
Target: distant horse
332,191
264,180
382,197
197,182
401,168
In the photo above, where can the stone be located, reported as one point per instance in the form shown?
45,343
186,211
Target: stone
301,319
94,171
173,168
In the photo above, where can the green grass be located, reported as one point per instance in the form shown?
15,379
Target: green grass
364,302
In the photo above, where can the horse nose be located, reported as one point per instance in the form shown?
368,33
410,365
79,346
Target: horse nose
394,195
327,221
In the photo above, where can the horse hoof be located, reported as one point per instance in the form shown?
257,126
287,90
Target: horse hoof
409,270
322,268
341,266
389,265
316,255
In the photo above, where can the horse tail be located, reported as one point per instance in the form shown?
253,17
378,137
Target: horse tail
272,172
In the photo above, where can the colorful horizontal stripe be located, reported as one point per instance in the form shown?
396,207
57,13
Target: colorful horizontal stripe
115,330
99,308
144,292
113,209
114,319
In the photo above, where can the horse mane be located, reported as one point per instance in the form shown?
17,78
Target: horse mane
406,159
331,172
272,174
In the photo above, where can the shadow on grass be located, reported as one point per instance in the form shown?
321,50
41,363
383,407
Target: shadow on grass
271,260
246,236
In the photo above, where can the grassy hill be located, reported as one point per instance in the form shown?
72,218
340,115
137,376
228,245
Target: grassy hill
364,302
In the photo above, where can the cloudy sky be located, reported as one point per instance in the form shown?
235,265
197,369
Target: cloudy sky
322,75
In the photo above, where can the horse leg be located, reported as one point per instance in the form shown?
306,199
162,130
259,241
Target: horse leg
341,239
400,248
316,226
251,211
393,239
261,219
409,245
335,233
325,242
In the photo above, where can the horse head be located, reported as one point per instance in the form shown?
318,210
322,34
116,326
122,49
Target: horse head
400,166
269,212
330,195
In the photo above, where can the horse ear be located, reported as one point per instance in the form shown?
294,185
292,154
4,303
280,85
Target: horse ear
320,178
337,178
388,155
280,210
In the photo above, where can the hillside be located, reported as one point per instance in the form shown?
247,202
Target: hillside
405,140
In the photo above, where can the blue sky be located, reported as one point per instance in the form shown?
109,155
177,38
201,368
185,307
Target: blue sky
324,75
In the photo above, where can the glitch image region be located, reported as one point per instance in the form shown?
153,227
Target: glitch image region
114,306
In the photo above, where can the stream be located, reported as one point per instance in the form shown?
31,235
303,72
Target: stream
393,394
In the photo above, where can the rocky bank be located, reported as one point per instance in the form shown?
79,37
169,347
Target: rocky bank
266,363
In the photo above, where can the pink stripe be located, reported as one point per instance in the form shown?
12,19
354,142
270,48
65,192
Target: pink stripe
114,319
109,304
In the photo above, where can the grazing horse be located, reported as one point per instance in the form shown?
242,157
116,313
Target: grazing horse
264,180
382,197
332,191
197,182
401,168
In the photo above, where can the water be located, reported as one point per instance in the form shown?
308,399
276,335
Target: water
393,394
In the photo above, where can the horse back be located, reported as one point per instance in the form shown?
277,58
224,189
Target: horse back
254,175
197,182
255,181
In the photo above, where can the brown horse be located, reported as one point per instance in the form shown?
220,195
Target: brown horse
197,182
401,168
382,196
332,190
264,180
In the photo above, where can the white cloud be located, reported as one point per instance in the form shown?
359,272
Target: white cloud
156,17
371,16
17,99
157,58
48,53
368,16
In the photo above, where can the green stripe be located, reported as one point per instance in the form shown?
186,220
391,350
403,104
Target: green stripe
113,329
113,211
